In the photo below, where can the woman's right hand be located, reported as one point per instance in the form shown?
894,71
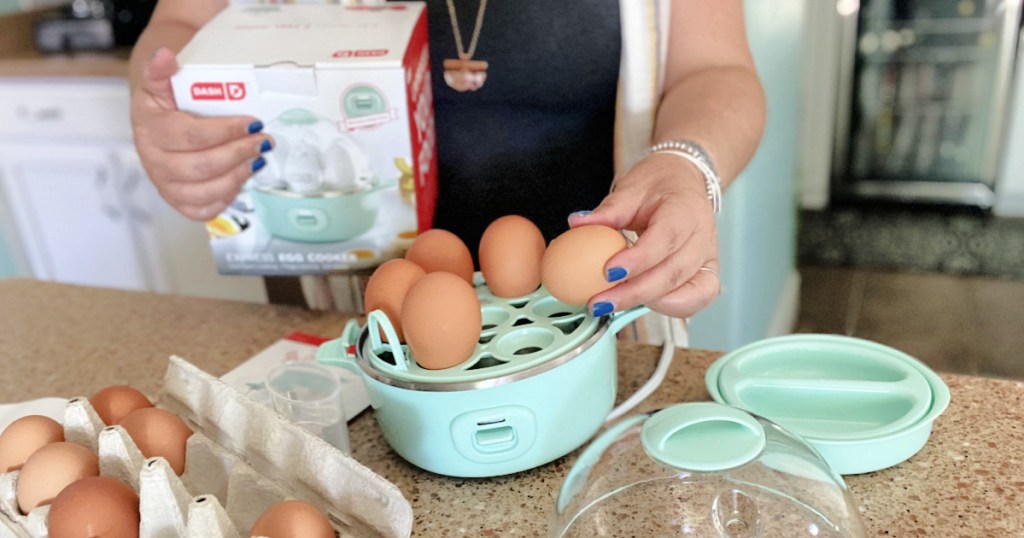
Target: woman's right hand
197,164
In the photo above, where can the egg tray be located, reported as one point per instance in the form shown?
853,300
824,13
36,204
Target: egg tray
241,459
517,334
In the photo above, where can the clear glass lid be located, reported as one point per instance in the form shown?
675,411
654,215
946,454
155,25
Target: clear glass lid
703,469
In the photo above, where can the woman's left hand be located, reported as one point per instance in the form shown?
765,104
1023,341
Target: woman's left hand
673,267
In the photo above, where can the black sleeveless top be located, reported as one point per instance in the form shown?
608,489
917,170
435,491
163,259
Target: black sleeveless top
537,138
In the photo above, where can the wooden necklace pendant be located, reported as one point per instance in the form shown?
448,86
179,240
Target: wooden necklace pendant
465,75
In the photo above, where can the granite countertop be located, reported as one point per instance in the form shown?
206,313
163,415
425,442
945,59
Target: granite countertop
59,340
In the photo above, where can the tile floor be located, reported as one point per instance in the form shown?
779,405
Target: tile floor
965,324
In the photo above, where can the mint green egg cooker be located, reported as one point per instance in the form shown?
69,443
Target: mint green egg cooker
539,384
326,217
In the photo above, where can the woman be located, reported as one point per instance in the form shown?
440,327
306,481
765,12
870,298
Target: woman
573,93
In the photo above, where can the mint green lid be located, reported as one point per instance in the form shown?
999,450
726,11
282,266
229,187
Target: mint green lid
863,405
703,437
297,116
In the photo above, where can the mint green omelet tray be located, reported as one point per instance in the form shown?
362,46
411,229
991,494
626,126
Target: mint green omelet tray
863,405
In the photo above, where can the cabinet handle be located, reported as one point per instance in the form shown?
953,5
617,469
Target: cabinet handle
132,180
102,181
49,113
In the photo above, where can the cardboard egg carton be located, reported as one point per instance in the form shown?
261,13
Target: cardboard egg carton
241,459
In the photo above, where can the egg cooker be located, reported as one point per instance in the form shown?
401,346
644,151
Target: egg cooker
863,405
317,186
703,469
540,383
791,415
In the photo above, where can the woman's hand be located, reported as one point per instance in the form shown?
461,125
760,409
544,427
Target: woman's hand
673,267
197,164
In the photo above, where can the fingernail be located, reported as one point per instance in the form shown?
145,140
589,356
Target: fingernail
616,274
577,214
602,309
266,146
255,127
258,164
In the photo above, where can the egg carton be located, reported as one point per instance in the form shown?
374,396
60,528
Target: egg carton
241,459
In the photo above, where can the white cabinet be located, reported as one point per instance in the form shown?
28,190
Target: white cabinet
83,208
65,201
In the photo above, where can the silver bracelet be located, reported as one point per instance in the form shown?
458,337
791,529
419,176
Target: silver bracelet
694,153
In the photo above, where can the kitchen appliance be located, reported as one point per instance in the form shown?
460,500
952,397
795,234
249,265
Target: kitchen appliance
703,469
91,25
318,185
130,18
923,94
540,383
864,406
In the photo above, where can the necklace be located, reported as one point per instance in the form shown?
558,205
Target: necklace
464,73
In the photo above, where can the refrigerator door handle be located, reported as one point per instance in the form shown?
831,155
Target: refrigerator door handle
848,13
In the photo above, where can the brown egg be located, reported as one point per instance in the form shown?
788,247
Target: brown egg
386,290
511,251
442,320
292,519
24,436
51,469
114,403
573,267
440,250
95,507
159,433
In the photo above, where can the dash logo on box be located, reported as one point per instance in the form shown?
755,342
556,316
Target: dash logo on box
218,91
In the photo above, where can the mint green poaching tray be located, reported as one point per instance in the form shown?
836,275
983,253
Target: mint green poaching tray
863,405
539,384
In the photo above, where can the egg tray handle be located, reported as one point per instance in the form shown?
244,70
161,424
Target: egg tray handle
376,322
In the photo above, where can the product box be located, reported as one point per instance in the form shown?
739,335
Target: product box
345,92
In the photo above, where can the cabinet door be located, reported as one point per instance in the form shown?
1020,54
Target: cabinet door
176,249
65,204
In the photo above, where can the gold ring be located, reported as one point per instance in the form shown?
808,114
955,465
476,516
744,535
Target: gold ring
710,270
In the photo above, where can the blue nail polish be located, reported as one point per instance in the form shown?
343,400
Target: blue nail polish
258,164
266,146
602,309
616,274
255,127
581,213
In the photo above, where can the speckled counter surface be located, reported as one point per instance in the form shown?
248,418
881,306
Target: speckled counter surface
58,340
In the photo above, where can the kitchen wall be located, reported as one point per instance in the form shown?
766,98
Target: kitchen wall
760,284
1010,182
15,32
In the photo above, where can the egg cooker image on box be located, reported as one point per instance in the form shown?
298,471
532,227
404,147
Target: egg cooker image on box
541,381
318,186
